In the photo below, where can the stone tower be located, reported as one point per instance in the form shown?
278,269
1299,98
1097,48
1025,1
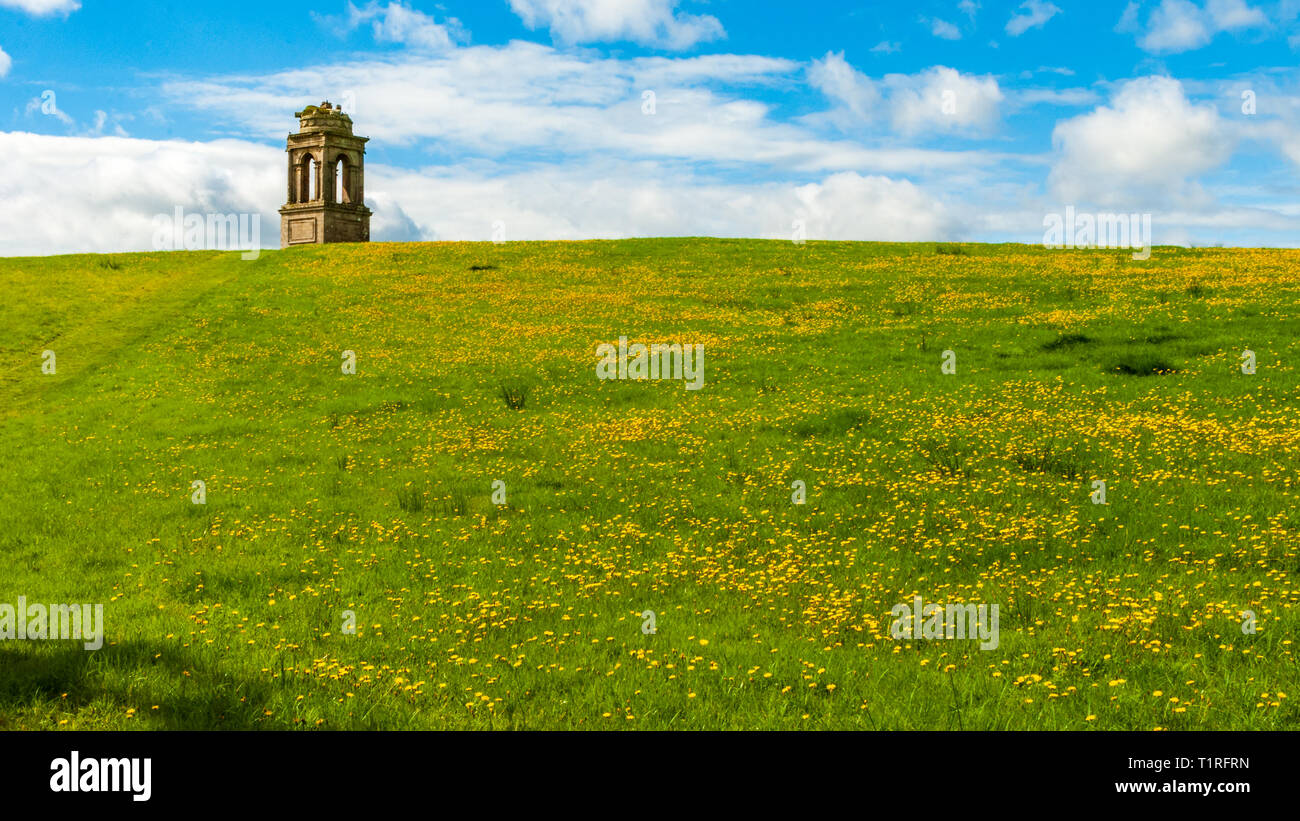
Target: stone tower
326,180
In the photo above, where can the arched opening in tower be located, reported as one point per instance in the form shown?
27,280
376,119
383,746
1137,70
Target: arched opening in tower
342,181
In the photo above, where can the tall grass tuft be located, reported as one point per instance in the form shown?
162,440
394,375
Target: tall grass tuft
514,395
945,458
1050,459
410,499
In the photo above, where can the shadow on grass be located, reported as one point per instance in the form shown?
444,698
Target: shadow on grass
189,693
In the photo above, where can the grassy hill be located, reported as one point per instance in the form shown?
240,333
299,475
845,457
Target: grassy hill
372,493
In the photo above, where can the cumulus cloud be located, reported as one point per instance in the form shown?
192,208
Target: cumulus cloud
1176,25
1144,150
397,23
943,99
938,100
851,206
1032,14
1282,128
654,23
1290,145
5,63
389,222
610,203
1181,25
102,194
42,7
854,93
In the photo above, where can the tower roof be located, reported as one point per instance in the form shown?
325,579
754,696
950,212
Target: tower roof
323,117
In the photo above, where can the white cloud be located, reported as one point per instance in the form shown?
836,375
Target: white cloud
886,47
42,7
852,91
396,23
1278,118
1054,96
102,122
939,99
502,102
1144,150
1284,134
1064,72
849,206
1176,25
1230,15
647,22
1128,21
942,28
943,99
101,194
1180,25
49,108
1291,147
5,63
610,202
1032,14
969,7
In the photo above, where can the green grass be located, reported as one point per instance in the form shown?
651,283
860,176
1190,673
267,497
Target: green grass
331,494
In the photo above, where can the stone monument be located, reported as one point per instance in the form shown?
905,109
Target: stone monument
326,180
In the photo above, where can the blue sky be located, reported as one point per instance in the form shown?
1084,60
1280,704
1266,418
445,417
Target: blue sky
909,121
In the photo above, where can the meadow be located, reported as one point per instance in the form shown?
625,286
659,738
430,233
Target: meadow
371,494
